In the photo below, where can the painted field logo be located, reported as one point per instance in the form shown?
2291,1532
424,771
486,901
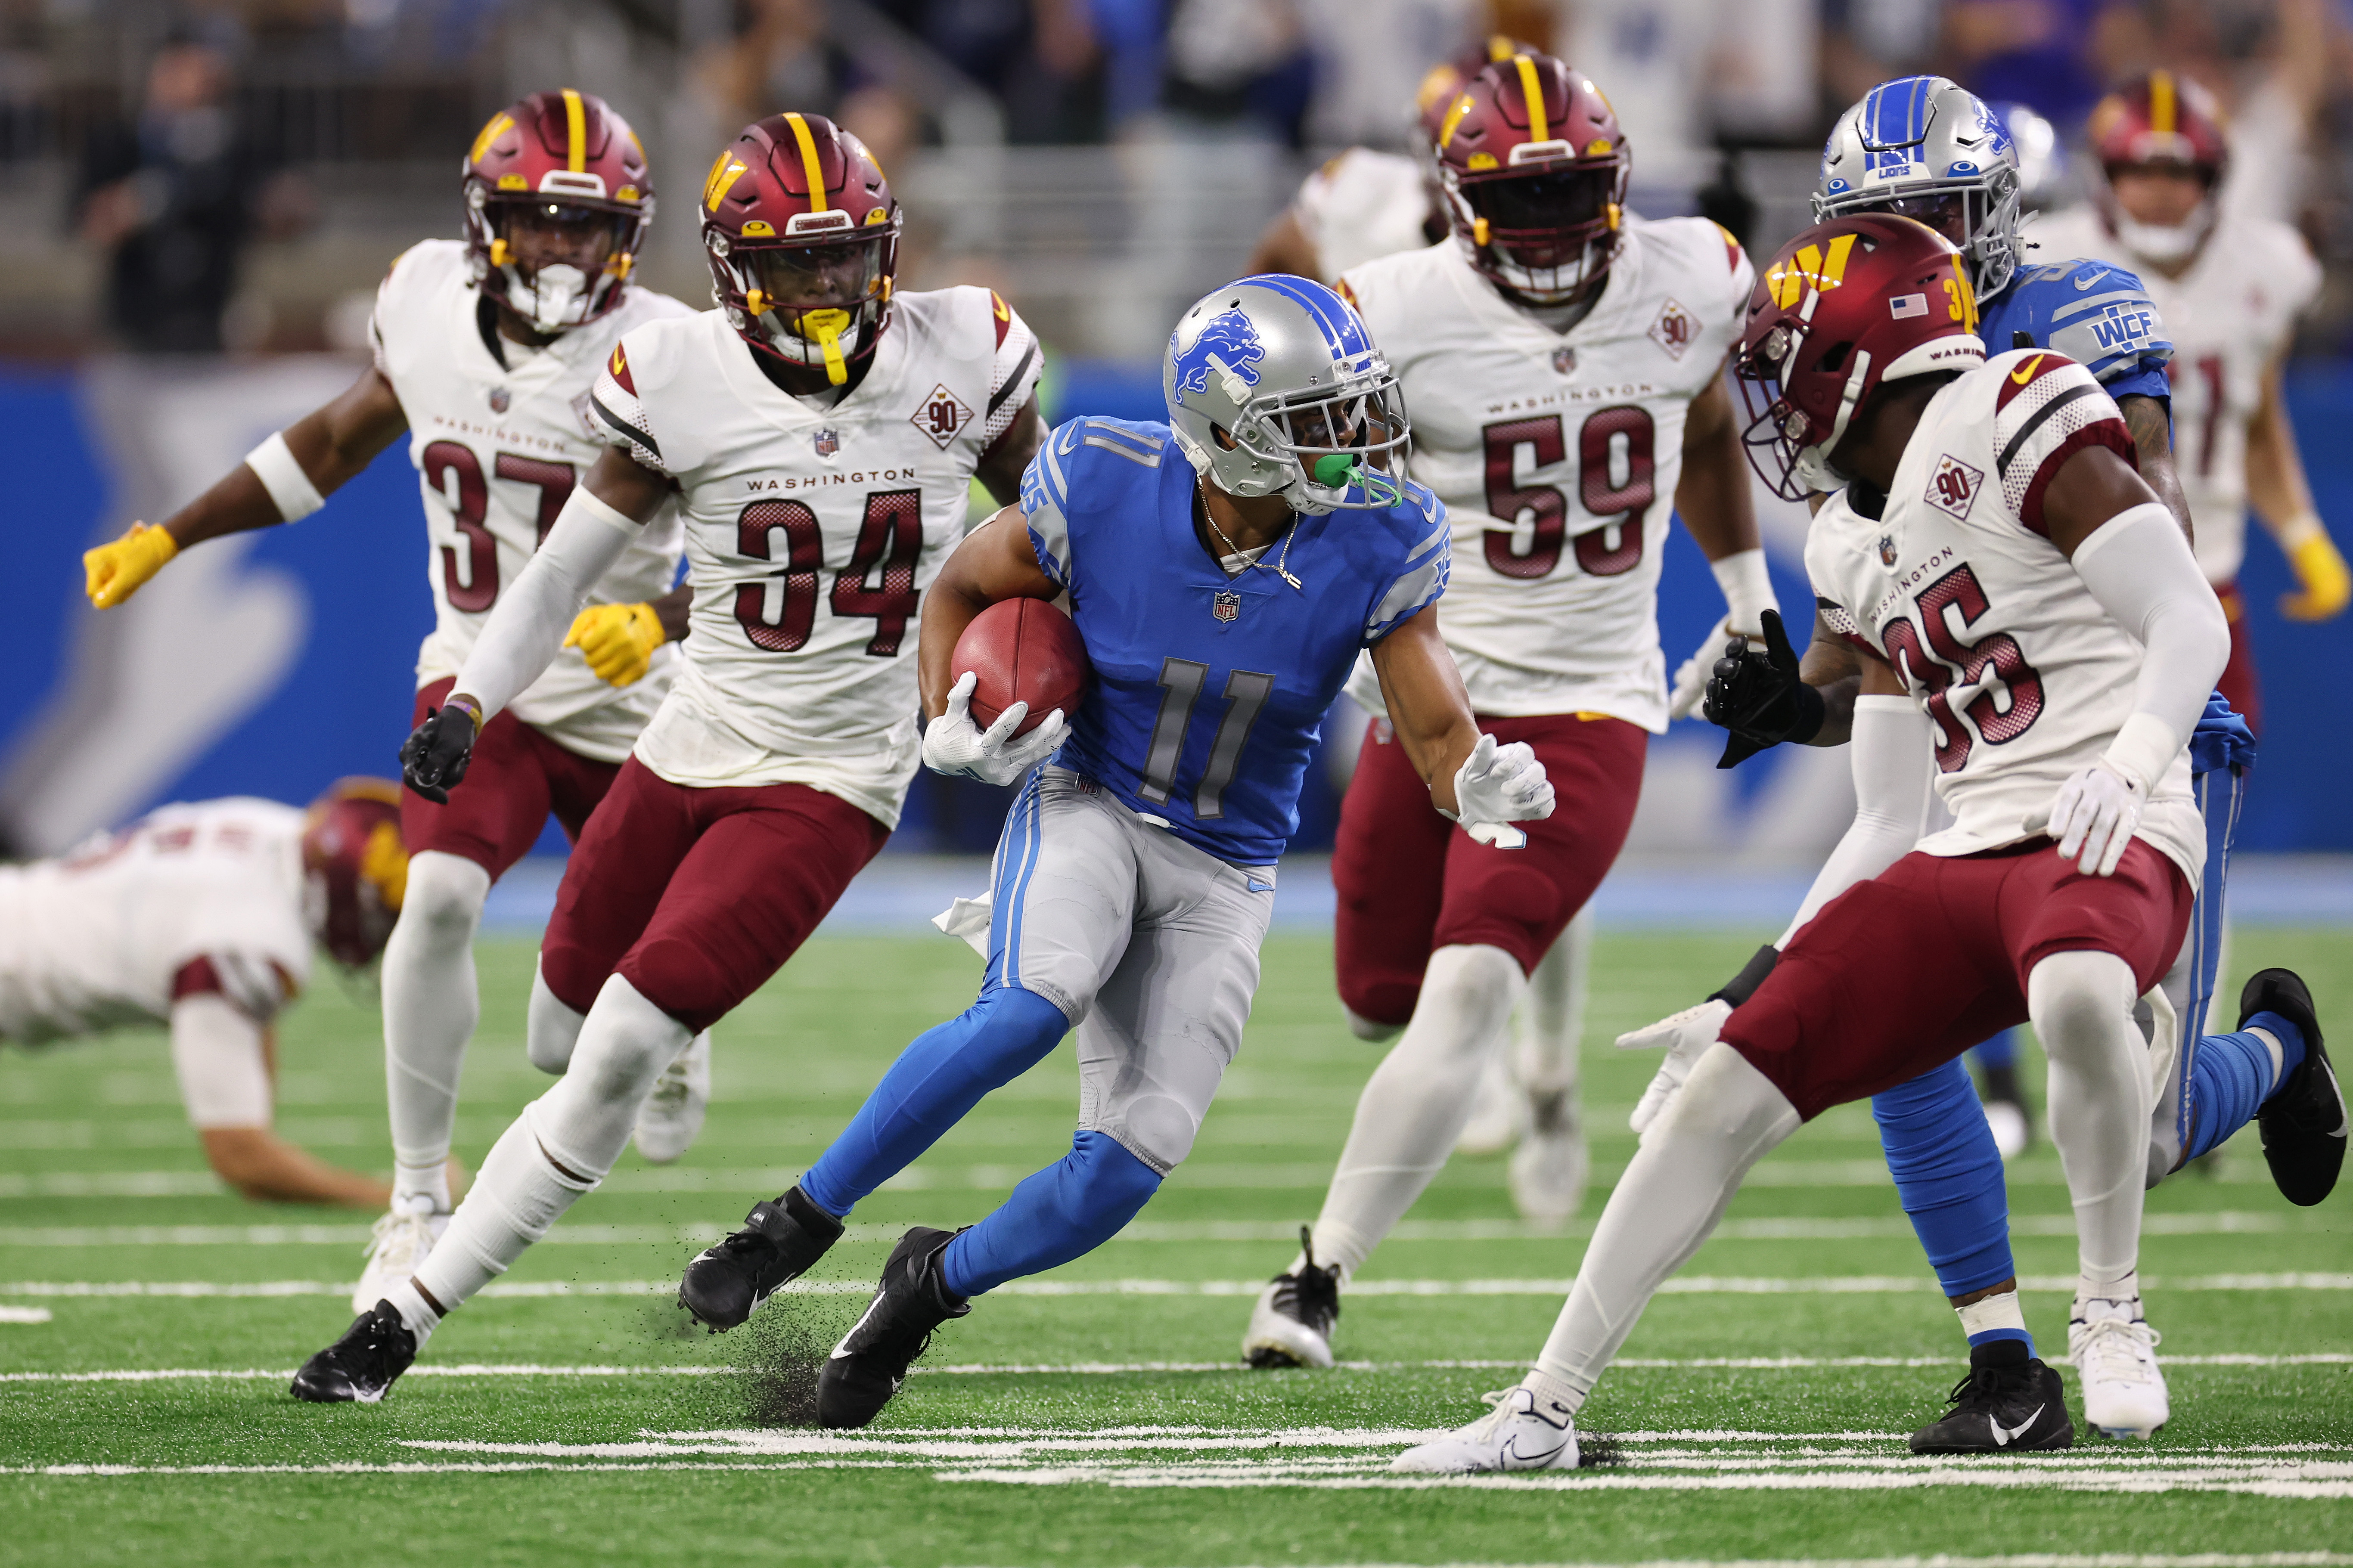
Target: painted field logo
1227,605
1229,345
1674,330
1954,485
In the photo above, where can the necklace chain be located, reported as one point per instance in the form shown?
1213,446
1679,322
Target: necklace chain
1281,562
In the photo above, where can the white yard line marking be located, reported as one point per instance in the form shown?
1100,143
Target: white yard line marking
23,1314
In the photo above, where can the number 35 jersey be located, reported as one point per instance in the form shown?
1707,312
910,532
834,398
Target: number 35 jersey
498,447
811,534
1557,456
1956,586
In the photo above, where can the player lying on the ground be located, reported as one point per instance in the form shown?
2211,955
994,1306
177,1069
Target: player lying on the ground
818,423
203,917
485,349
1992,523
1223,572
1564,361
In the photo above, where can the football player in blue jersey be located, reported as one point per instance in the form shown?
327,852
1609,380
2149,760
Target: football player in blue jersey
1223,571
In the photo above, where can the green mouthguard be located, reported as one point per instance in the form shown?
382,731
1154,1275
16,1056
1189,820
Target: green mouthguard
1335,470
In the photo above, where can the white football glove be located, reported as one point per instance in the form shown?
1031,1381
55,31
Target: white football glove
955,745
2093,815
1684,1035
1500,784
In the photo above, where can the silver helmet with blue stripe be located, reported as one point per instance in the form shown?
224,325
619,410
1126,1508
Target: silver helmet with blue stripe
1274,387
1925,147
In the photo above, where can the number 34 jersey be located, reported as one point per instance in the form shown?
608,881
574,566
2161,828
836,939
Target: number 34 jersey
1557,456
498,447
811,534
1956,586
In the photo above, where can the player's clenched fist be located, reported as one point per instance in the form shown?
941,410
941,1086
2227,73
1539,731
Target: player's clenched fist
2093,815
1500,784
433,759
1760,697
955,745
617,640
114,570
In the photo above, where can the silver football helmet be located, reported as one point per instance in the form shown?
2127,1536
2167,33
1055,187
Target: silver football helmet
1925,147
1275,388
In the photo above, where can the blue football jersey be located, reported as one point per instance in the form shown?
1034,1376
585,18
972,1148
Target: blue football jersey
1208,690
2095,313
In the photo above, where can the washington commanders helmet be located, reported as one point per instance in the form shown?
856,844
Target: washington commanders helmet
802,234
1843,308
563,161
355,867
1444,82
2161,121
1536,170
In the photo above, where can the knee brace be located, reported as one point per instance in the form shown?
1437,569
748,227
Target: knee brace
553,1029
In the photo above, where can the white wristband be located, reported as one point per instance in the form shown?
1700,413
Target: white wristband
274,465
2304,525
1748,589
2143,750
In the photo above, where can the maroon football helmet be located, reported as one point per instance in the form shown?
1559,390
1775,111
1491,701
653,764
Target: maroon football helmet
1444,82
1536,169
558,200
802,234
355,867
2161,121
1845,306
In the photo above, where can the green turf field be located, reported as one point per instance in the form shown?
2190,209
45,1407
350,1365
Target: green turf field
1098,1416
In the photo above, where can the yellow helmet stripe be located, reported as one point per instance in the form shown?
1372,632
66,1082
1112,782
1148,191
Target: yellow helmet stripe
575,132
808,162
499,123
1499,49
1539,129
2164,114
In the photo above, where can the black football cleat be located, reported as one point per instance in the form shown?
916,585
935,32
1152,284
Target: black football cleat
871,1362
2010,1403
1292,1322
361,1366
780,1242
2303,1123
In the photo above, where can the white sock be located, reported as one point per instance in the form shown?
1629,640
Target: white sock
430,1007
2098,1110
416,1314
1551,1018
2119,1292
1728,1117
1418,1100
431,1183
1550,1389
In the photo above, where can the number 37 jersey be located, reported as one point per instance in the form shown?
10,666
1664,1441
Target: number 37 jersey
1557,456
812,532
2025,679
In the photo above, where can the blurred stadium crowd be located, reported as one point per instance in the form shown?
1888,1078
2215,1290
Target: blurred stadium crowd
190,177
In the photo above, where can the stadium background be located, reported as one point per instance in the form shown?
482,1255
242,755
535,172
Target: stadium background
1100,161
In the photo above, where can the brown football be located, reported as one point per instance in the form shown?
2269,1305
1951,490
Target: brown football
1023,650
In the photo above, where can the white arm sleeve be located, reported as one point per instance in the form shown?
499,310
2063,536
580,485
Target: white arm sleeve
216,1055
2139,568
527,630
1894,762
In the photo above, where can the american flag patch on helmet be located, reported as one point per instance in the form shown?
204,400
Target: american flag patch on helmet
1905,307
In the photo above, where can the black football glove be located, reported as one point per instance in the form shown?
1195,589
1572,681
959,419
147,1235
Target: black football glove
1759,696
433,759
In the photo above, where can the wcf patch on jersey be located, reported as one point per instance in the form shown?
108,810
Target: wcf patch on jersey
1954,485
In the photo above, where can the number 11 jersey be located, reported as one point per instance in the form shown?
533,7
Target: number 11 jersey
1558,455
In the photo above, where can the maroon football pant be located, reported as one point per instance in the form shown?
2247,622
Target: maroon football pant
514,778
697,895
1906,972
1411,882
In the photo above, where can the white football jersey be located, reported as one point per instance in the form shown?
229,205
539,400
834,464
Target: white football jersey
1557,456
1362,205
2024,677
497,448
2230,316
93,940
811,534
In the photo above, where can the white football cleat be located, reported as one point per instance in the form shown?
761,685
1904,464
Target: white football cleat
1291,1324
2115,1352
673,1113
398,1249
1523,1432
1548,1168
1495,1110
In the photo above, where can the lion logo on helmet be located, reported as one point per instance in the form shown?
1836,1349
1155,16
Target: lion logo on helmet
1229,345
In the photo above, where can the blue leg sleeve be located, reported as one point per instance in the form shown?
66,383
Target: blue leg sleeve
1948,1174
2001,1051
2234,1076
931,1087
1065,1210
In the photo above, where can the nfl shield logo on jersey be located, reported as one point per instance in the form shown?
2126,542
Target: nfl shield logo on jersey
500,399
1887,549
1227,605
1564,360
826,442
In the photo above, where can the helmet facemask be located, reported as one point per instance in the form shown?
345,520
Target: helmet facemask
1788,448
814,304
2162,244
1322,449
1980,214
1547,235
555,263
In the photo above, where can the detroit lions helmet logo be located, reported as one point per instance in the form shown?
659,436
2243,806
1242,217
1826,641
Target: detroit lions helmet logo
1232,342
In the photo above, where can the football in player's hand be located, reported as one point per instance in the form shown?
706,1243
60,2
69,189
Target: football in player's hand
1023,650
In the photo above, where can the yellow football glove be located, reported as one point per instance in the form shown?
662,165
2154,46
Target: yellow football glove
115,571
2319,567
617,640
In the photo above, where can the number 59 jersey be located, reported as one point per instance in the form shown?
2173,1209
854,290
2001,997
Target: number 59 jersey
498,447
1557,456
811,534
2025,678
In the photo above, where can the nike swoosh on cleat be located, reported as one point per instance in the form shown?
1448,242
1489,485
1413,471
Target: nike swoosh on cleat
2084,283
1512,1454
2003,1439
